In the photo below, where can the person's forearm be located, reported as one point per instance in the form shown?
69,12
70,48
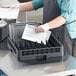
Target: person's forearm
57,22
27,6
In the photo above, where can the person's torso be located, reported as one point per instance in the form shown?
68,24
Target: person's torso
53,9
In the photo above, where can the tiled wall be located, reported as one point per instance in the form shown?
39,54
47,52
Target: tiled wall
33,16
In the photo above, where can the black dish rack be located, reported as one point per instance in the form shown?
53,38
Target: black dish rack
4,32
33,52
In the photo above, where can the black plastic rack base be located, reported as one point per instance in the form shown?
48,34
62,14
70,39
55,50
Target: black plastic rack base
33,52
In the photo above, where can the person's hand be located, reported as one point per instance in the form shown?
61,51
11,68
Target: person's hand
43,28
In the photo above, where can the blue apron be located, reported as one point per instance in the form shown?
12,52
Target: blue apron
51,11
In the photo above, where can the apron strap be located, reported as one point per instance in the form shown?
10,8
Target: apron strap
51,10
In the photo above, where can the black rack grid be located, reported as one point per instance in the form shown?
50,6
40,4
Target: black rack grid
33,52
